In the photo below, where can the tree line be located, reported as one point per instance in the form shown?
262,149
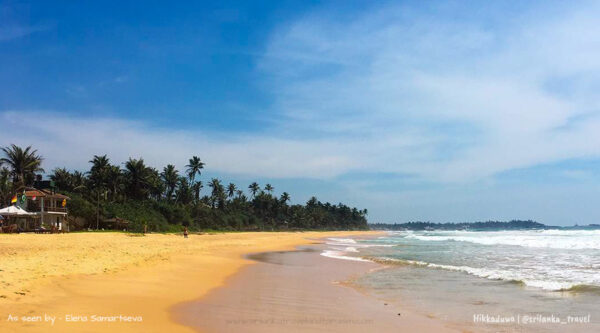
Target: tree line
475,226
167,199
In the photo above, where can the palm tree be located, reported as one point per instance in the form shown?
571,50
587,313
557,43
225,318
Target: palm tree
269,188
98,174
197,187
99,165
5,186
23,164
194,167
78,180
62,179
312,202
137,182
254,188
170,177
156,187
285,197
136,174
184,191
98,181
231,190
218,192
115,180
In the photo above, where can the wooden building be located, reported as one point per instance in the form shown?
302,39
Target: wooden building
50,210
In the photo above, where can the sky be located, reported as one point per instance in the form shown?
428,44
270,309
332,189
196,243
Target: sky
416,110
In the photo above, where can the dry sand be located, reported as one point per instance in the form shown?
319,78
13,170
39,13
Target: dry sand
106,275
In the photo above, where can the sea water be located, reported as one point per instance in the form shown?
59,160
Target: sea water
531,275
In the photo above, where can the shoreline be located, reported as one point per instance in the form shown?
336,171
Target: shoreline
113,274
466,301
300,290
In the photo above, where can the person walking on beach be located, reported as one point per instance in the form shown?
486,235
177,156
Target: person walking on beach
185,232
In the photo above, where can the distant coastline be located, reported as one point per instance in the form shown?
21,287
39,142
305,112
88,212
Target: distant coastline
478,226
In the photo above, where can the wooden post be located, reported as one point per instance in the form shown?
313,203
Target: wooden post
41,211
98,212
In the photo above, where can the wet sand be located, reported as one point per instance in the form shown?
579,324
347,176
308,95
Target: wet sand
299,291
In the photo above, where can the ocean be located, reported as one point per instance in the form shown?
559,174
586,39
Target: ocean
468,277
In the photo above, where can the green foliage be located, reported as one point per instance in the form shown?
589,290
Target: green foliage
23,164
166,201
6,186
174,213
480,226
139,214
81,208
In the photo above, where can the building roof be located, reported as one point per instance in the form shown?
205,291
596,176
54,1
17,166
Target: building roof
44,193
117,220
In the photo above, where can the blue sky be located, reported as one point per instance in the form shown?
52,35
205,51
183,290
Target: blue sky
415,110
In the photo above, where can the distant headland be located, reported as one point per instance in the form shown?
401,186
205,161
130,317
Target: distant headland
477,226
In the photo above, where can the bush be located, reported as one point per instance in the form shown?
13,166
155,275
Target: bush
81,210
174,213
138,214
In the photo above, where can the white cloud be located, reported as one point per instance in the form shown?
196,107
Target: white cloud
388,91
392,75
9,32
71,142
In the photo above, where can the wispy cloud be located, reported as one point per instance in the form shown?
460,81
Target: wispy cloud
435,111
11,27
392,90
447,100
8,32
70,142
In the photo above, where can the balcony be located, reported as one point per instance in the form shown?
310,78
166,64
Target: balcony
34,207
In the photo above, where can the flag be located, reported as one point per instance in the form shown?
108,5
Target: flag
13,200
23,198
64,202
34,198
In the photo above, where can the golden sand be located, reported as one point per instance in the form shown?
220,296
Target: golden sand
97,277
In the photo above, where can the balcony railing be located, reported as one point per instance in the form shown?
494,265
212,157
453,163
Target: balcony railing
35,207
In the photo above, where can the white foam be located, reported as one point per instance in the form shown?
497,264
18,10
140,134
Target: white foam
343,240
555,239
336,242
546,259
494,274
340,255
549,285
338,248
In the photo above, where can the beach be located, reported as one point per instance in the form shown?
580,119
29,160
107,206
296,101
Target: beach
301,291
127,282
300,166
255,282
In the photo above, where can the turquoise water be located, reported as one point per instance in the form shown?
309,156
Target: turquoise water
545,259
457,275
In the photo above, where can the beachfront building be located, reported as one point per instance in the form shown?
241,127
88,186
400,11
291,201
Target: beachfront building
11,217
49,210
